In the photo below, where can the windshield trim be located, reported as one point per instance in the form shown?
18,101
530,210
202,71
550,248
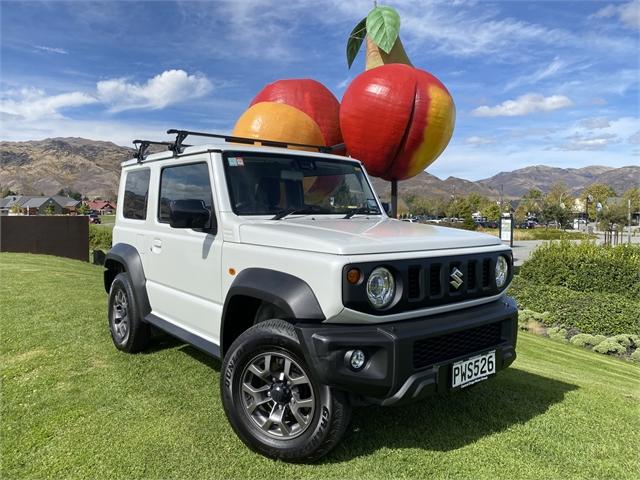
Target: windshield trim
225,166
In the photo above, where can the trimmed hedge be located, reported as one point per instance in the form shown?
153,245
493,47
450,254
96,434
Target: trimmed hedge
595,313
585,267
100,238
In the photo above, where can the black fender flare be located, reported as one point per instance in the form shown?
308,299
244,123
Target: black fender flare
289,293
128,257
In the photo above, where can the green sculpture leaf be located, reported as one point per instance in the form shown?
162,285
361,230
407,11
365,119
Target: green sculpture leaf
383,26
355,40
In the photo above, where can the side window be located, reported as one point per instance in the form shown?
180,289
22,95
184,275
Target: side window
185,182
136,194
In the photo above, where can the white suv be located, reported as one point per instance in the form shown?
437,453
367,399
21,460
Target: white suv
283,264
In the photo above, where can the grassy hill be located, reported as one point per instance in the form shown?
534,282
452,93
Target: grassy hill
73,406
92,168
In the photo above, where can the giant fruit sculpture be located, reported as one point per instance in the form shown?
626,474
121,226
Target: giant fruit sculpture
294,111
395,118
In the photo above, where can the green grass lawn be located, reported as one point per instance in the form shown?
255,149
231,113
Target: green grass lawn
73,406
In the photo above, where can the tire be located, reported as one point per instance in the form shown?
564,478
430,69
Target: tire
128,331
294,419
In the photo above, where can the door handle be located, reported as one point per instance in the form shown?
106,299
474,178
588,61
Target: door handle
156,246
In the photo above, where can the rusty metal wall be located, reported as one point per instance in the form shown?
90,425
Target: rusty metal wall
63,236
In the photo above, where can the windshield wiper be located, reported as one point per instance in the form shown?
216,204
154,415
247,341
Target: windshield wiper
302,210
362,210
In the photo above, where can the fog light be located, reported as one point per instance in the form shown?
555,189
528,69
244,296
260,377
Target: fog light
357,359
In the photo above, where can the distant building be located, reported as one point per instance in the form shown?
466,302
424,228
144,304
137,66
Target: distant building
103,207
29,205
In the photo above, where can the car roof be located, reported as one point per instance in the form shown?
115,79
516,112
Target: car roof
234,147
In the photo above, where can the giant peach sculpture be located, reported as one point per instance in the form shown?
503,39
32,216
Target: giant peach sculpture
395,118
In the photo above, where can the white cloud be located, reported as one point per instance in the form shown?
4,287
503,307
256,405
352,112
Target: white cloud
169,87
31,103
44,48
635,138
343,83
524,105
599,142
596,122
627,13
478,141
553,68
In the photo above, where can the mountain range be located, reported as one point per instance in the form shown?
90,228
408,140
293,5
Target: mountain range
93,168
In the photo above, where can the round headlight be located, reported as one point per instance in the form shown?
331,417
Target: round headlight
502,271
381,287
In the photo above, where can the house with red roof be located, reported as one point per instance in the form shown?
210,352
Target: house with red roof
102,207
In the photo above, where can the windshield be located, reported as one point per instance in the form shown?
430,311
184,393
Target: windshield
270,184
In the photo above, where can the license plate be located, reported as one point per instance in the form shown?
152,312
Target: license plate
472,370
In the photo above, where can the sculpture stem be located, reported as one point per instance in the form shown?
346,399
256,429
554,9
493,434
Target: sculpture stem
376,57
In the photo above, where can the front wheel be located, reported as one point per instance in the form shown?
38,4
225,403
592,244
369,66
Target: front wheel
271,400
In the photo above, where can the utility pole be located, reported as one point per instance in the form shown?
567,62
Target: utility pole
501,198
629,221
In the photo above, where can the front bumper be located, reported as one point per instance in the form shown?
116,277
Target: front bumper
411,359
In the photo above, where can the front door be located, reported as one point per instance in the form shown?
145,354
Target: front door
183,265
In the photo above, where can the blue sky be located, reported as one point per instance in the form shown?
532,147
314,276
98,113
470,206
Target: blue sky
544,82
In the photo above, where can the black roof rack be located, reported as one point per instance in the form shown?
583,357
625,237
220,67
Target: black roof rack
181,135
143,146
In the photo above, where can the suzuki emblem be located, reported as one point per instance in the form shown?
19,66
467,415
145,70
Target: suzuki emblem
456,278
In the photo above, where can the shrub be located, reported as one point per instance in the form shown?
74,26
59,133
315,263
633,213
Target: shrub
595,313
99,237
599,339
635,356
610,346
557,333
624,340
586,267
586,340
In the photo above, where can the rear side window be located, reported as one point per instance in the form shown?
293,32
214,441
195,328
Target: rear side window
185,182
136,194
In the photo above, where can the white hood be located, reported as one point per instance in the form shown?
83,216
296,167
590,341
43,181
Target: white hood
358,235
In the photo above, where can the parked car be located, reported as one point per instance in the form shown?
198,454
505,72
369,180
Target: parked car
312,305
94,218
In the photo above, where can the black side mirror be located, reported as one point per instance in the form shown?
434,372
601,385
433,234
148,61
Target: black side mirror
188,214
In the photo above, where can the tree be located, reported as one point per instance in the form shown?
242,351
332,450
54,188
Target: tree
50,209
67,192
599,192
15,209
520,213
559,195
613,217
632,194
83,209
477,202
554,212
6,192
491,212
533,201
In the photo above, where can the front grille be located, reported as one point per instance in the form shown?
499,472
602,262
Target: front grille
414,281
434,280
486,272
430,351
428,282
471,275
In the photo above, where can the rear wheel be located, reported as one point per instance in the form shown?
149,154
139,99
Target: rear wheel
128,331
272,401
